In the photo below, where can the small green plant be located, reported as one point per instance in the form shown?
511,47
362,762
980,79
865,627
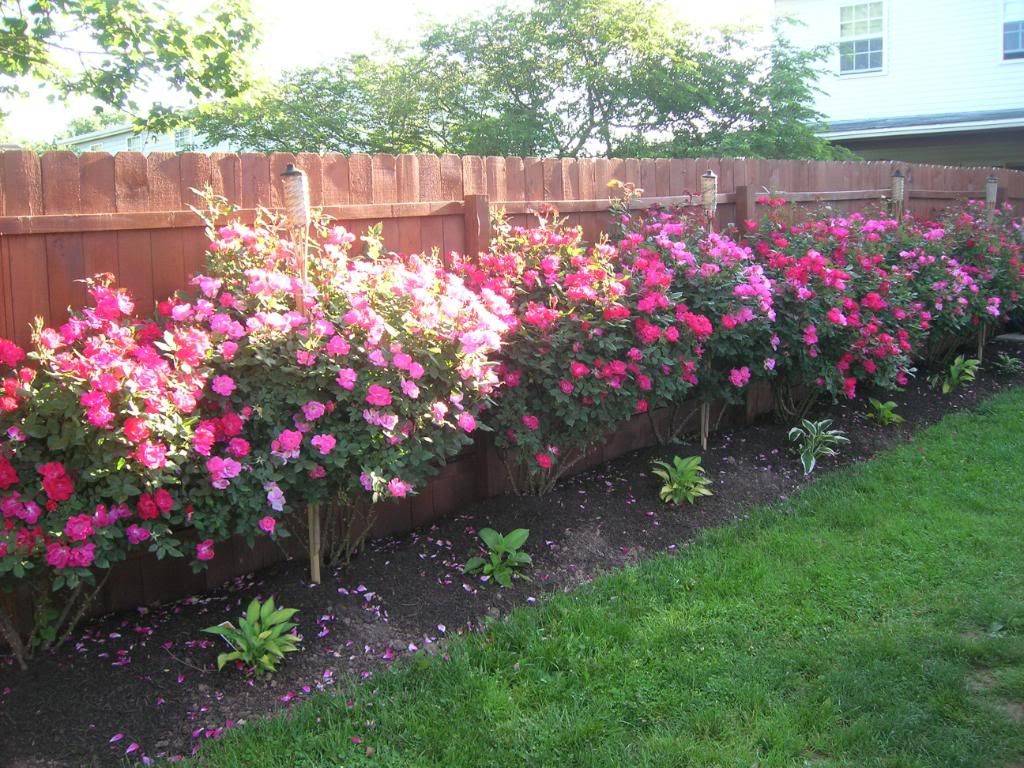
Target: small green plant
504,556
883,414
961,371
684,480
262,638
1008,365
815,440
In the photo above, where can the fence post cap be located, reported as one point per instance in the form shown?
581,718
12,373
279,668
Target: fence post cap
897,174
291,170
708,174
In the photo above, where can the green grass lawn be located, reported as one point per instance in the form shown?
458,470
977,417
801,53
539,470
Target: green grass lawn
875,619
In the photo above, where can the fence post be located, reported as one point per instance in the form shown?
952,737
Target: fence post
899,194
746,205
477,224
991,197
709,196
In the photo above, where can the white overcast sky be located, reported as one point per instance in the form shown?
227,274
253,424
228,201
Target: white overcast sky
298,33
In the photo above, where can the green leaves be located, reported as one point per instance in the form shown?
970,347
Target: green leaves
883,414
262,638
684,479
815,440
504,556
128,44
961,371
552,78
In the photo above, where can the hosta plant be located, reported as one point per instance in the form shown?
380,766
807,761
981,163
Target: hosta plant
815,440
960,372
504,558
261,639
684,480
883,414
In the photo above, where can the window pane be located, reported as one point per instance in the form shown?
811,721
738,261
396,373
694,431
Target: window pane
860,12
875,27
846,29
876,60
846,63
846,49
876,9
846,13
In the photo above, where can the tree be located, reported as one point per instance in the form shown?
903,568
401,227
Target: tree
110,50
557,77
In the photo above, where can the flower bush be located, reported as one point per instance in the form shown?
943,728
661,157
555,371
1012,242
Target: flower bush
260,394
594,340
97,425
719,293
348,387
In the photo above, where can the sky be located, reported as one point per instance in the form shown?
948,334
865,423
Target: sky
300,33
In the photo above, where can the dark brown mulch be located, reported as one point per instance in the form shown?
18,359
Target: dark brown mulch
145,684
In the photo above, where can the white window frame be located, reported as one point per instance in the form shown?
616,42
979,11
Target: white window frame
1003,20
854,38
135,142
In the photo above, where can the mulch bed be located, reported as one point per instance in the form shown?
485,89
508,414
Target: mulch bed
144,684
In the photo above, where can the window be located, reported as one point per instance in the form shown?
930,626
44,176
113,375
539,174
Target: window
136,142
860,38
1013,29
183,139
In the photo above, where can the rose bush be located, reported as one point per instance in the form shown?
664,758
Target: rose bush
348,387
718,292
97,424
258,395
594,340
348,378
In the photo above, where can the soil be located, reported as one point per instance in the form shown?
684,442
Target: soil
144,684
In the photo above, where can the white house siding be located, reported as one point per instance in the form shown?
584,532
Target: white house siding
940,57
125,140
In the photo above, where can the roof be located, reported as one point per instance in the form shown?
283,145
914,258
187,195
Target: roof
912,125
103,133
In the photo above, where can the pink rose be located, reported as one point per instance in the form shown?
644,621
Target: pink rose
378,395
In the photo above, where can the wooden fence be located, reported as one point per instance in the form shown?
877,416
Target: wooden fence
65,217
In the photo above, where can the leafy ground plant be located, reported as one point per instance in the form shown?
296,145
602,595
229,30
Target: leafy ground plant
505,557
961,371
883,414
684,480
261,639
909,646
1007,365
815,440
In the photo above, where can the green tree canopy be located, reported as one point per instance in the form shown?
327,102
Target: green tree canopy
557,77
112,50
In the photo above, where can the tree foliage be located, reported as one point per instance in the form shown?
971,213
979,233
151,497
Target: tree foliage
557,77
113,50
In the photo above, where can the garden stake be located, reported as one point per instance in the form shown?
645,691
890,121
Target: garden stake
296,203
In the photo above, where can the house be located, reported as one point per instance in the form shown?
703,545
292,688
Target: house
935,81
124,138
